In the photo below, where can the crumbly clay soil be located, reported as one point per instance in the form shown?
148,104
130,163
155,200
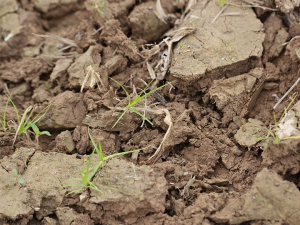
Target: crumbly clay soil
210,156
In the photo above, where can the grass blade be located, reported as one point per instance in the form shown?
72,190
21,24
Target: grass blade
38,117
138,99
3,124
141,115
128,96
120,118
20,129
122,153
99,150
16,110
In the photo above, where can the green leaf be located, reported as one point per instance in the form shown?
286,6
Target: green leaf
15,172
35,128
46,133
101,4
21,181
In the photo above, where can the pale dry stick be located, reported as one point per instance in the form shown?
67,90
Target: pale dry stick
291,40
89,71
187,186
144,112
167,120
135,177
115,51
94,77
172,87
159,12
157,96
233,14
97,30
216,17
64,40
294,85
60,56
64,48
255,6
6,88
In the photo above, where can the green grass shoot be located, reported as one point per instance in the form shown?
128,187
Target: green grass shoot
85,178
274,134
3,117
25,122
86,175
100,154
99,7
139,98
222,3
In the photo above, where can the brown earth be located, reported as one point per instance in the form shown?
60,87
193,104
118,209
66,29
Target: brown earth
207,159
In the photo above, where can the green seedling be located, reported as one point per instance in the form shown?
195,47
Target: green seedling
3,117
99,7
140,97
24,122
222,3
86,175
102,159
17,177
274,134
85,178
48,86
37,132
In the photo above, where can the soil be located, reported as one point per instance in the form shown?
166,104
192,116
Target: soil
210,155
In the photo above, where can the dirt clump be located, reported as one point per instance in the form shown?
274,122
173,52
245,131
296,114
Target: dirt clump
140,189
233,95
113,36
67,111
145,25
249,132
270,198
203,151
64,142
276,35
211,52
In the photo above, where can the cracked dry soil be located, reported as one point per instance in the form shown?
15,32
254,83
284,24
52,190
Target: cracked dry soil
226,74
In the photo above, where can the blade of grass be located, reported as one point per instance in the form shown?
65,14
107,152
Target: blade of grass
138,99
286,109
99,150
147,86
16,110
20,127
26,122
37,117
129,100
120,117
3,124
141,115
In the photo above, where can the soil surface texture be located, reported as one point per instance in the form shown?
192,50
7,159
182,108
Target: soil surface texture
142,112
